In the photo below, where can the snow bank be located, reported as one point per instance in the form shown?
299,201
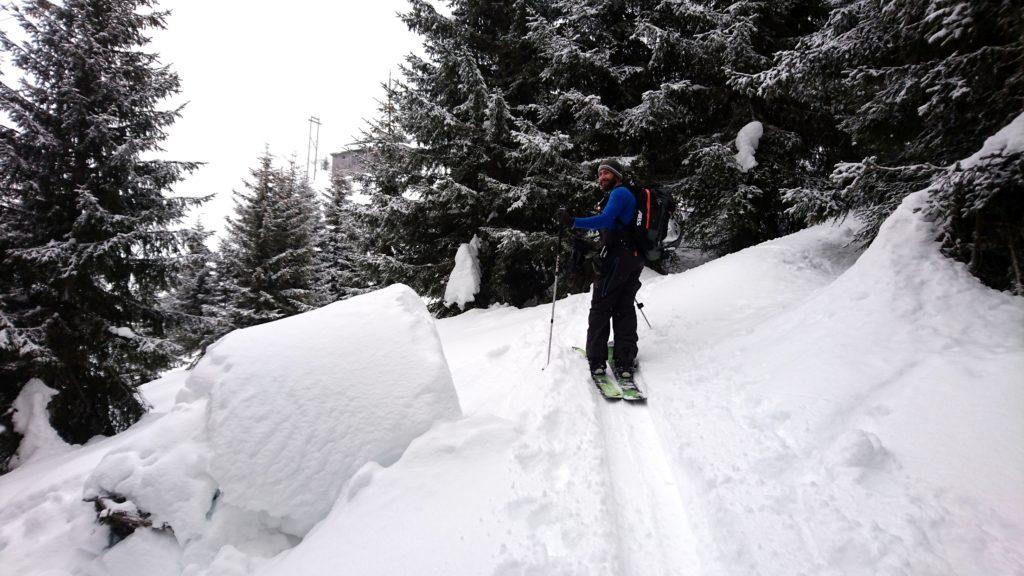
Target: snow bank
871,429
272,424
952,351
746,143
32,420
439,510
298,405
464,281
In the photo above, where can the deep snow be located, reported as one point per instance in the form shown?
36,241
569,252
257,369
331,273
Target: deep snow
813,410
269,427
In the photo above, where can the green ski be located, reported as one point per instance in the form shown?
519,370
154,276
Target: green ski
605,384
630,391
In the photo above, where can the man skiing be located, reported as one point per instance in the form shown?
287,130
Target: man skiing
618,276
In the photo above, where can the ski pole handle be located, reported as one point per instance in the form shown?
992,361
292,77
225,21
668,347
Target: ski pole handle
640,307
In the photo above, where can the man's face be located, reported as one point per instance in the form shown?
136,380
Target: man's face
607,180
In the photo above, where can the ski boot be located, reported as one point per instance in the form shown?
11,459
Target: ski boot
624,376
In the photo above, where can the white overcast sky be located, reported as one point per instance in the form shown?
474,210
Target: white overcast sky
254,71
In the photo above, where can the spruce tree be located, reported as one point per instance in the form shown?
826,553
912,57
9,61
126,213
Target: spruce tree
272,267
296,231
914,84
483,165
195,305
649,81
695,50
247,248
341,274
88,236
516,103
979,208
384,252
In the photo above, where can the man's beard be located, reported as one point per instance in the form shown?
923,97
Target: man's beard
608,185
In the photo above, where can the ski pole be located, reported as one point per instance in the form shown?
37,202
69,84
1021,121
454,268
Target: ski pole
640,307
554,298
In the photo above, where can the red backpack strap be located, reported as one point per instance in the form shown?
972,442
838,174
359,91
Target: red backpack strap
647,198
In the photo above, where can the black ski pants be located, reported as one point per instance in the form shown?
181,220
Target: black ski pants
611,306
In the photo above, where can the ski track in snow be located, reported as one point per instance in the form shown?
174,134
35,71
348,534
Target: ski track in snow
645,531
653,529
650,521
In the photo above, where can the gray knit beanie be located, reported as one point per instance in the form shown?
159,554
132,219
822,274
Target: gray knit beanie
612,165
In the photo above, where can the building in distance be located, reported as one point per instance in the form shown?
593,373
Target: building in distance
348,163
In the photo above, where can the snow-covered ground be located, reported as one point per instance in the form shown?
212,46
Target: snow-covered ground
813,410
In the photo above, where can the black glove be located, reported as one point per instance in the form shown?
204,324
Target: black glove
580,249
565,218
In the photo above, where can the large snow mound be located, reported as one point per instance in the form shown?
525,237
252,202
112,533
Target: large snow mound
298,405
937,345
272,424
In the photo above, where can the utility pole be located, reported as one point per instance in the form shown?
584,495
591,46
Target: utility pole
312,145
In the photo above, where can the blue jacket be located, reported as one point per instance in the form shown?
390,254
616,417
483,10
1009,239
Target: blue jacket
618,212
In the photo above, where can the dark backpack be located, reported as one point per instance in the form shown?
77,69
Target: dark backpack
654,210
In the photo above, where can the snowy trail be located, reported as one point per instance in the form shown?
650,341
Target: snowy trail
610,451
654,534
651,498
651,523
